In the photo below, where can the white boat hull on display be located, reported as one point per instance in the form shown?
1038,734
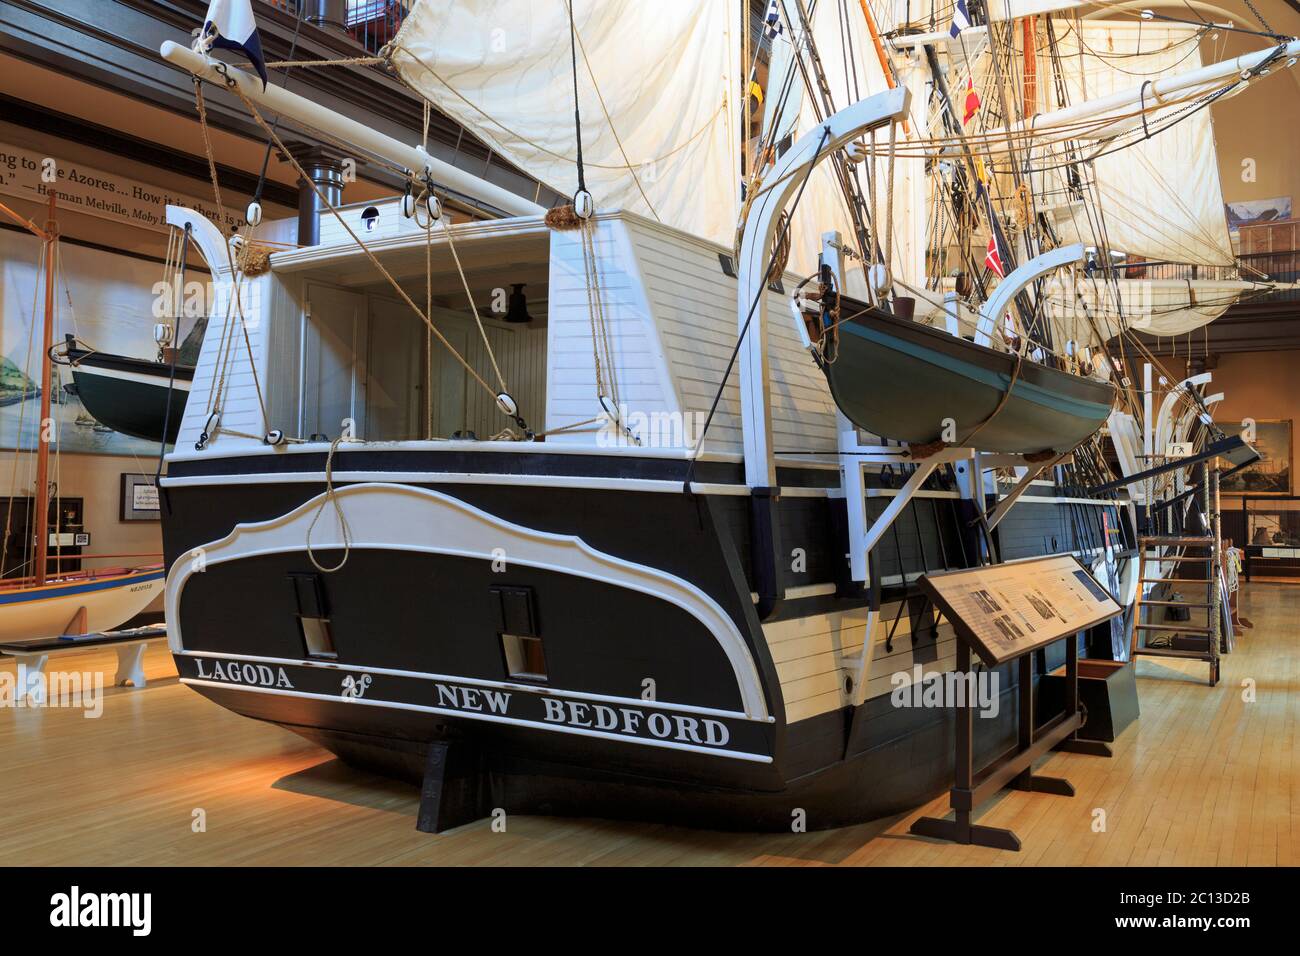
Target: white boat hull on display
109,601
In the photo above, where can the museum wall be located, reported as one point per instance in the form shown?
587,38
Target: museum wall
1257,132
1261,386
97,479
106,299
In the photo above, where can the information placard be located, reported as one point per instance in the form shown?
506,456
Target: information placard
1007,610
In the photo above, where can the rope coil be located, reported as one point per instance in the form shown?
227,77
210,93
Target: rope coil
331,497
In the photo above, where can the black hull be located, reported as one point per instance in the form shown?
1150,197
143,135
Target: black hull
419,629
132,396
905,760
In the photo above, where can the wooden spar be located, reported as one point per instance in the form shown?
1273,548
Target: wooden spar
886,67
1154,92
23,221
1031,66
302,110
45,434
48,235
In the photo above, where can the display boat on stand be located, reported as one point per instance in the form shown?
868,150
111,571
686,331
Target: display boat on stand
585,614
45,602
138,397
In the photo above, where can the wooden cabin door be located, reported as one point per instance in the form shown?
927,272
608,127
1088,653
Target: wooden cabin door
334,361
395,388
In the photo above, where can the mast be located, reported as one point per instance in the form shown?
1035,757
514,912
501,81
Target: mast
1031,67
42,444
886,66
48,235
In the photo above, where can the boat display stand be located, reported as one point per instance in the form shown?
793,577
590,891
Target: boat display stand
449,793
33,655
1004,614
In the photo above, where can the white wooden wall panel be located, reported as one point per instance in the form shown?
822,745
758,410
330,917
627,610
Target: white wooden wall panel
639,373
694,306
809,655
241,410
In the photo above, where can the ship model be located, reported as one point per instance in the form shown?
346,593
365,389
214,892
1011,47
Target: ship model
653,552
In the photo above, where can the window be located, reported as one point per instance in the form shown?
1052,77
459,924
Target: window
524,657
521,644
313,616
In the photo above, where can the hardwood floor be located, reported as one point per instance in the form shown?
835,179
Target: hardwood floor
1204,778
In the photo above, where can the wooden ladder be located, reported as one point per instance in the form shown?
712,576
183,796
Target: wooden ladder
1167,633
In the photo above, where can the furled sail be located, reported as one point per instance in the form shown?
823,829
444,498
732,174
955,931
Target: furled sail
656,84
1160,196
1088,311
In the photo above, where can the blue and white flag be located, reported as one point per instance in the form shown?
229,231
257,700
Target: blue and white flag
960,19
230,26
773,20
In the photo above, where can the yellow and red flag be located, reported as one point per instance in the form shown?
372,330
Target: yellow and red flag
972,103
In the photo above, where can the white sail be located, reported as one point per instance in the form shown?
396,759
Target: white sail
1014,9
1160,196
781,112
656,85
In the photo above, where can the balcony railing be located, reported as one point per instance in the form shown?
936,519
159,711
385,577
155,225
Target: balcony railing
1262,266
371,23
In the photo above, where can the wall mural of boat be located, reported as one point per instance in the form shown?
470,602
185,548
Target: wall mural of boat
15,385
134,396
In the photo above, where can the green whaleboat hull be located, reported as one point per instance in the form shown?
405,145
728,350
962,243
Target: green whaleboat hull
898,379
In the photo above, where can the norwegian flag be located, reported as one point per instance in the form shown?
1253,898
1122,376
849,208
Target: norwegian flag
993,260
773,20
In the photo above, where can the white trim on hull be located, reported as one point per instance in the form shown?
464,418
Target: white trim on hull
489,718
160,381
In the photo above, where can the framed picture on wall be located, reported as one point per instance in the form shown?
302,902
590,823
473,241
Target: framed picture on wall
139,498
1271,475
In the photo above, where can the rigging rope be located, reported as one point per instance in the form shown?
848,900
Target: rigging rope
749,318
331,497
349,61
577,113
374,260
234,275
